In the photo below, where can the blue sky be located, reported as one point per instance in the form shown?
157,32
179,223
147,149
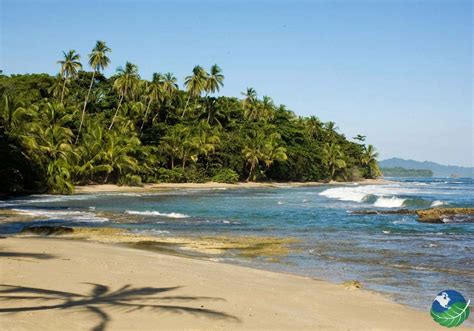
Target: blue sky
399,72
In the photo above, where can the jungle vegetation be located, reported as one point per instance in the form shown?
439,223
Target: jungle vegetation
80,127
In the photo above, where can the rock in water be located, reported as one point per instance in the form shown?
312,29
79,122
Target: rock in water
384,212
444,215
47,230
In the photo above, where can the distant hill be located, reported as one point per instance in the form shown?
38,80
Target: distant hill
438,170
403,172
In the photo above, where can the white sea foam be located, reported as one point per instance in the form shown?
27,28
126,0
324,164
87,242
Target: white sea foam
344,194
67,215
151,232
437,203
156,213
389,202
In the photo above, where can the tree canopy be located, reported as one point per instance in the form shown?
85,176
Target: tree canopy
81,127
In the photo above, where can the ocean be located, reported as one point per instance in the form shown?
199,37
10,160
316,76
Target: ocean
393,254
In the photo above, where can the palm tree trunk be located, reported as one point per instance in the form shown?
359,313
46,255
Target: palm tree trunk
116,112
184,161
146,115
62,92
252,166
84,108
186,106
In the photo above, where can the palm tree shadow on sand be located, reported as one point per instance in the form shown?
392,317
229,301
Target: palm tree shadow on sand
102,299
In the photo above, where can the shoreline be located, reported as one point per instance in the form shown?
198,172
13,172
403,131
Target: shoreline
112,188
198,294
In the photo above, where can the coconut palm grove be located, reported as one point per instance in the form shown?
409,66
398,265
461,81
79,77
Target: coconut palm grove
80,127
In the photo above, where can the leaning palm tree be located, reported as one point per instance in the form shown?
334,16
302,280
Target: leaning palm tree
195,84
70,66
98,60
125,84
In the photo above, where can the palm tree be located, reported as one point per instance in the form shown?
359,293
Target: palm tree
206,139
171,144
264,148
57,87
125,84
213,84
98,60
333,157
359,137
170,85
250,96
195,84
14,117
70,66
154,92
369,160
313,127
271,151
266,108
117,153
215,80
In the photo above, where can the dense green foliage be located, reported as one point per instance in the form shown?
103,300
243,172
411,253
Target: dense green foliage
403,172
81,127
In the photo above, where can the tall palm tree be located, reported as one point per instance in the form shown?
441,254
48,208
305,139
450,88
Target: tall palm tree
98,60
125,84
195,84
70,66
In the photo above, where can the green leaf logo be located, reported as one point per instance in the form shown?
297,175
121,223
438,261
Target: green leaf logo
457,313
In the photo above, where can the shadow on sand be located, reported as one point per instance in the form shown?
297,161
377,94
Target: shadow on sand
39,256
101,299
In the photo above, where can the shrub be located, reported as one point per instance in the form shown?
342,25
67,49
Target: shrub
130,180
175,175
226,175
196,175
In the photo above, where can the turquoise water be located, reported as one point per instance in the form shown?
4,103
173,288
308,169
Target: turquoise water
394,254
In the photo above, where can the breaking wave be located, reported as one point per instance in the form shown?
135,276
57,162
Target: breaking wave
391,202
68,215
437,203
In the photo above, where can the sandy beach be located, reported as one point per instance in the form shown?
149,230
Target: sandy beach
213,185
57,284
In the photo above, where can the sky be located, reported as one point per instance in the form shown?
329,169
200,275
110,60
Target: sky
399,72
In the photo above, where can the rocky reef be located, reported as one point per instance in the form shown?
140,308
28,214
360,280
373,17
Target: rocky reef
445,215
432,215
